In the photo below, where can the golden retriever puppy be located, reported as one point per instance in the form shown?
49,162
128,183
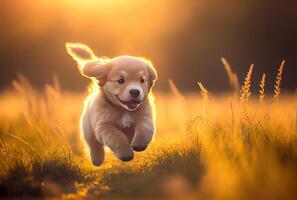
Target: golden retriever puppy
119,114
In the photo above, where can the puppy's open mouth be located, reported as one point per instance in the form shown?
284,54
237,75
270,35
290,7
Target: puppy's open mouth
131,104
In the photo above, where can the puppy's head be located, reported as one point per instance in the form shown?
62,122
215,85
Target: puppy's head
126,80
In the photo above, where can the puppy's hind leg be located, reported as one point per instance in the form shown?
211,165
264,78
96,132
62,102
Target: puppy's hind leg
96,149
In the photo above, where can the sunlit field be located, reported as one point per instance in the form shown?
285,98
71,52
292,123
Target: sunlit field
236,145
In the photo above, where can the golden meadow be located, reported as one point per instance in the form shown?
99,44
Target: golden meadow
237,145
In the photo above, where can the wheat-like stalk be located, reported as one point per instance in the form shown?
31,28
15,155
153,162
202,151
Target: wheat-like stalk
175,90
233,80
278,80
245,90
179,96
262,88
204,94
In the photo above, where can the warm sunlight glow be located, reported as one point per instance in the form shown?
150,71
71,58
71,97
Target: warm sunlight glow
148,99
113,18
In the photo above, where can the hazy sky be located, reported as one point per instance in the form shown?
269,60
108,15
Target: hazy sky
185,39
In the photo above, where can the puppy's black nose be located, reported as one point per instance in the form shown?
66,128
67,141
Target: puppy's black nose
134,93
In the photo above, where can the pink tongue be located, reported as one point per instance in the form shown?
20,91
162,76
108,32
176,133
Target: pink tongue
132,104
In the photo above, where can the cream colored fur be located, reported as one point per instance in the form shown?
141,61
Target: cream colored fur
112,116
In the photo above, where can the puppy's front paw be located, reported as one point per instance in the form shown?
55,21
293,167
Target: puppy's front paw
125,156
97,162
139,148
141,140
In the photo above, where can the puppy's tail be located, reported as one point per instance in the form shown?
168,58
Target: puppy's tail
79,52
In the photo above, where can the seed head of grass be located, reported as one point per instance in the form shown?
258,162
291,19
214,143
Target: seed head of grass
245,90
233,80
262,88
204,94
278,80
180,97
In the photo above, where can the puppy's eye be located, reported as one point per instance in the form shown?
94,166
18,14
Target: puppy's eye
120,81
142,80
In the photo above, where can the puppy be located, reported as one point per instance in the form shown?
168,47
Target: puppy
120,113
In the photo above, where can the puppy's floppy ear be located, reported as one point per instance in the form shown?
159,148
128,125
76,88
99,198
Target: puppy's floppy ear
152,73
95,69
79,52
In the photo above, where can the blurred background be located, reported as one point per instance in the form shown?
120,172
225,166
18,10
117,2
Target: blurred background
184,39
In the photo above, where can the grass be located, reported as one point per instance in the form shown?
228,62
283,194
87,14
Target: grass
205,146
